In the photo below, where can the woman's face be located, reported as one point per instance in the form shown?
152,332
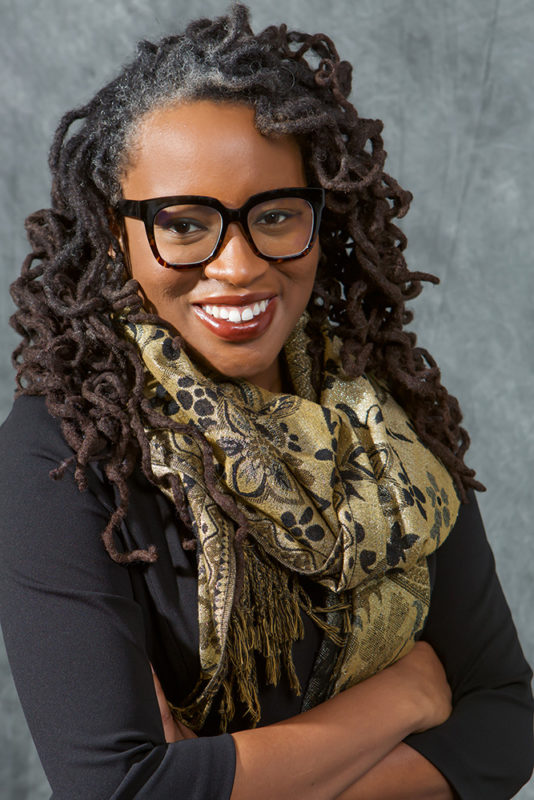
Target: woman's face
214,149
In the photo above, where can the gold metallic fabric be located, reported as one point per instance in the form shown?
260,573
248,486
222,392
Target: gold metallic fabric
337,490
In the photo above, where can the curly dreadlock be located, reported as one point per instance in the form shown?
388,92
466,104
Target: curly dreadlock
70,285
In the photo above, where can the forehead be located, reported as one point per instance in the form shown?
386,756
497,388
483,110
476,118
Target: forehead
209,148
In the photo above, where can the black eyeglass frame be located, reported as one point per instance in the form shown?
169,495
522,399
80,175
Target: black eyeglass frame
147,210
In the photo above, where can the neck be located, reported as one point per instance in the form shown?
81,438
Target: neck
272,379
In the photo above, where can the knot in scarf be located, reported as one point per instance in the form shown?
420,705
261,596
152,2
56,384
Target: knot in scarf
336,489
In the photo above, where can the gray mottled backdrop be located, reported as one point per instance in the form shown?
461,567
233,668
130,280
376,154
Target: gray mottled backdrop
452,79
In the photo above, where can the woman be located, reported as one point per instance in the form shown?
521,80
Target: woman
214,369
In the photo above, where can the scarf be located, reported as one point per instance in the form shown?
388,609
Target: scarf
336,490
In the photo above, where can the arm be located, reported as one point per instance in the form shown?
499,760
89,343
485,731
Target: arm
76,642
323,751
404,774
383,706
75,638
485,747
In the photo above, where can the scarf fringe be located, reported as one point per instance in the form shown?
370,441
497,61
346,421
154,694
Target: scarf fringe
335,633
267,621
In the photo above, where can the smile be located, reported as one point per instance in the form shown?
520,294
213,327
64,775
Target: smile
236,314
237,323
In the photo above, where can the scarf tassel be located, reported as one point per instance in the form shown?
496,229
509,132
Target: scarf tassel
267,621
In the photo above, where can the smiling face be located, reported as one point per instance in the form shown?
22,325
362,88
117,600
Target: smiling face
237,311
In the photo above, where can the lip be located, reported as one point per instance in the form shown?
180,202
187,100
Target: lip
237,331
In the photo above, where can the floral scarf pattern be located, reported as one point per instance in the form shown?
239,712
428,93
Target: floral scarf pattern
337,489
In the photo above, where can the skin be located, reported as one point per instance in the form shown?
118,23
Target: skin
204,148
363,761
349,747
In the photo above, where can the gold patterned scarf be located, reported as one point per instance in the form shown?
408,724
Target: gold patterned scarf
336,489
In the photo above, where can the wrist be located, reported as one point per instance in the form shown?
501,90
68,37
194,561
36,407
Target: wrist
412,701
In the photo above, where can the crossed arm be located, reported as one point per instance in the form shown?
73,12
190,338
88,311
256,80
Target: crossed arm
485,746
350,747
77,643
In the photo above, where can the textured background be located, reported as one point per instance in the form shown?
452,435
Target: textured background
452,79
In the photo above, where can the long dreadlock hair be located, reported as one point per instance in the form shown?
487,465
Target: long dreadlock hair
73,281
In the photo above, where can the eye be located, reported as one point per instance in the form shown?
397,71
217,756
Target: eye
181,226
186,223
273,217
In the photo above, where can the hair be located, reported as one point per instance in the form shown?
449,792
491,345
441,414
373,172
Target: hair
73,281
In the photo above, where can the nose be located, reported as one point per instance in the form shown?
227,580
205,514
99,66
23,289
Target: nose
236,263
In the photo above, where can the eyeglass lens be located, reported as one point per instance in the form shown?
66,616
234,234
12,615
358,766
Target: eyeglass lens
279,228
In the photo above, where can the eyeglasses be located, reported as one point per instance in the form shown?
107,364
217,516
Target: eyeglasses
188,230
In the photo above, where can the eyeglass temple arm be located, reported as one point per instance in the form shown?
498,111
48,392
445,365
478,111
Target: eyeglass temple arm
130,208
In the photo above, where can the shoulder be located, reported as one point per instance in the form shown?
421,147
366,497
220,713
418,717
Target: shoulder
31,445
30,432
467,542
56,513
40,514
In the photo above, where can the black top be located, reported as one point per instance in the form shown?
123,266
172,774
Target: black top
80,631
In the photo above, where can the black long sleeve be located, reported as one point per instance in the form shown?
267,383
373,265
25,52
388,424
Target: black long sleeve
485,748
75,638
80,631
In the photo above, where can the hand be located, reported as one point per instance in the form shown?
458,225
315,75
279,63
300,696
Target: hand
424,672
174,731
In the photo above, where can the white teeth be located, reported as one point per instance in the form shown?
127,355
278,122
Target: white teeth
236,313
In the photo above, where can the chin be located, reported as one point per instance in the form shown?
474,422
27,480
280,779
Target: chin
238,372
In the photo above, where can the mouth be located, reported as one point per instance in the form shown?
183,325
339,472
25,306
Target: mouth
237,321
